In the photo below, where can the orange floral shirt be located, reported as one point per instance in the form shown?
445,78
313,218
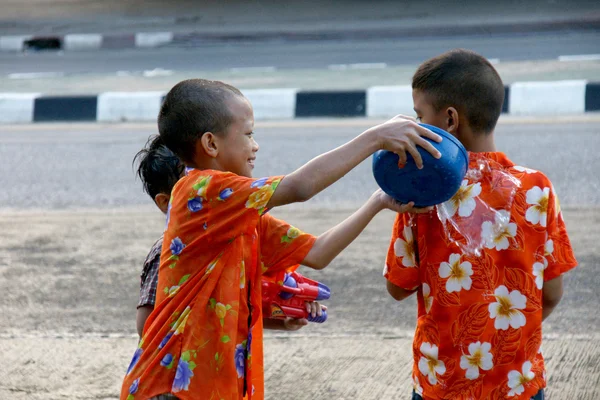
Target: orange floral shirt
479,265
204,338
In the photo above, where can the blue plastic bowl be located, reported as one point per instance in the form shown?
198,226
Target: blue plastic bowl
436,183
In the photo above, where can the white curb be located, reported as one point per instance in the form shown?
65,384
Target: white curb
128,106
272,103
90,41
153,39
388,101
17,107
547,98
13,43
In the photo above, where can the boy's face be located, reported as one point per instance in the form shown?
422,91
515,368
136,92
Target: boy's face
237,147
426,112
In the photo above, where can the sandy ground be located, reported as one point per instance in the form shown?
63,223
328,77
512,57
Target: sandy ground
69,283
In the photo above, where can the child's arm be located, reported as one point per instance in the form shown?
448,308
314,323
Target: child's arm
331,243
399,135
397,292
552,292
142,315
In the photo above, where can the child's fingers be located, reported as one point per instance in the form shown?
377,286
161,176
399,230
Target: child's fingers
427,146
415,155
293,324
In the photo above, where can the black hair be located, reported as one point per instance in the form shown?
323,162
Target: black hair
465,80
191,108
159,168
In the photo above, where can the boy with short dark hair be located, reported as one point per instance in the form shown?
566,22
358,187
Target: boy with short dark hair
159,169
204,339
487,269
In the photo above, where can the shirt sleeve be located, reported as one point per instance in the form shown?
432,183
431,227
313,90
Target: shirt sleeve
557,249
149,282
281,245
237,193
401,267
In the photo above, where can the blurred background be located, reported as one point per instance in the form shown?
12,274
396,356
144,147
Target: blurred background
75,225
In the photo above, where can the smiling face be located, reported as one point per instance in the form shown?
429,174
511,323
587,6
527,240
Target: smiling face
237,147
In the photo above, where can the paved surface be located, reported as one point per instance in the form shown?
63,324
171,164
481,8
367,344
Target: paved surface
305,79
75,227
69,284
90,165
303,55
81,16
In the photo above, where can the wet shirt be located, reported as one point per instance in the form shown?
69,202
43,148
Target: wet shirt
204,338
479,264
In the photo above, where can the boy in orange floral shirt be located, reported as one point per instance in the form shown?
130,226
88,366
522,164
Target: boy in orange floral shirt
204,338
487,269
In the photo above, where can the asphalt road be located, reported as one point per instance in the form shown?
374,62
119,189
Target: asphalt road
70,278
300,55
56,166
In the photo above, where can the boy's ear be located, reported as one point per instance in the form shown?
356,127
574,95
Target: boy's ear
452,120
208,145
162,201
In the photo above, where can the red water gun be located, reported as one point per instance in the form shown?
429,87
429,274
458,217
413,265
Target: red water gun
286,297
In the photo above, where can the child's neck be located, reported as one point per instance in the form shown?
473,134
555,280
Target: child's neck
480,143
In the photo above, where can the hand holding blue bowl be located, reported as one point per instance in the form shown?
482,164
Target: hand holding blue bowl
436,183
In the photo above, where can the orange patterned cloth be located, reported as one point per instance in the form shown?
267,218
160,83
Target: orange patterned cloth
204,338
479,266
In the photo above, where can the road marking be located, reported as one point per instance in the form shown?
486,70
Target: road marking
343,67
157,72
252,69
35,75
580,57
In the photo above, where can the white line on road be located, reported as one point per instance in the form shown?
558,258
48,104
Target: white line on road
342,67
252,69
35,75
157,72
580,57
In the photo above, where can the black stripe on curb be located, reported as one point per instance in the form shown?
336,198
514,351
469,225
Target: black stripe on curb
331,104
505,104
80,108
592,97
43,43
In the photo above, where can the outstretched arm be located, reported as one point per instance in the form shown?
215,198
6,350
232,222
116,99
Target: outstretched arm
400,135
331,243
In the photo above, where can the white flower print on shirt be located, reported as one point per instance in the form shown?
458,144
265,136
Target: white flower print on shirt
505,310
517,380
479,357
427,298
548,248
538,272
417,386
538,199
458,274
429,365
464,200
406,248
497,235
